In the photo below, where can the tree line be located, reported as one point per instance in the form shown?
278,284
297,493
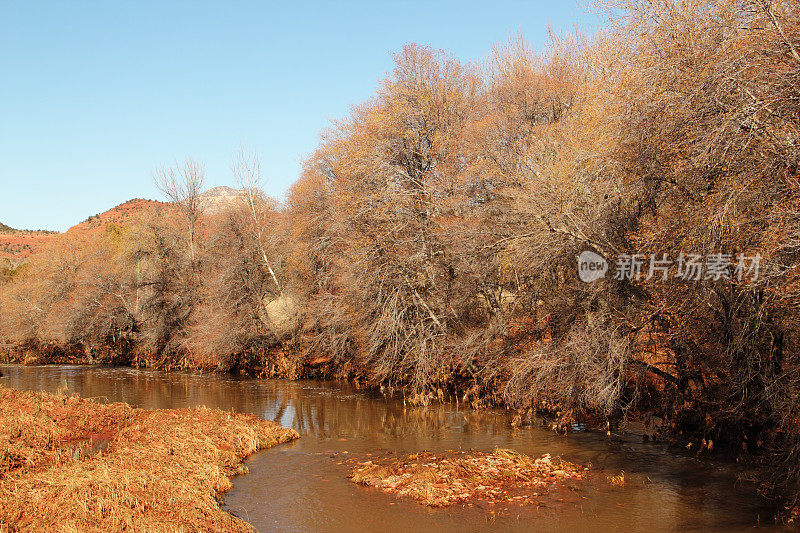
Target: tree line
430,242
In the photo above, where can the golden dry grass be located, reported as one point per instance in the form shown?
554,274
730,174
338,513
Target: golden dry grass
68,464
439,480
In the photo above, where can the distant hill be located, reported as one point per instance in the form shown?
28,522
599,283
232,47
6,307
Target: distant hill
20,244
118,215
215,200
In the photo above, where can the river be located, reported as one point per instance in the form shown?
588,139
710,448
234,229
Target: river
302,486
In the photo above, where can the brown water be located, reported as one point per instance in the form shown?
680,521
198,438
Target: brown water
302,487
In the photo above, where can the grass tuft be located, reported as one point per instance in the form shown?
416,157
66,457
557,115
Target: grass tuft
439,480
68,464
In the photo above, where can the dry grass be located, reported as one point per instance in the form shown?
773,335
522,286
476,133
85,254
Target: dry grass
68,464
438,480
618,480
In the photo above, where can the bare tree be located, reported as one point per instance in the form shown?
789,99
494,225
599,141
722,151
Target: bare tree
247,172
183,184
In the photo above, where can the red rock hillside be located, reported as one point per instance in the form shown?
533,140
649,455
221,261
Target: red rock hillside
21,244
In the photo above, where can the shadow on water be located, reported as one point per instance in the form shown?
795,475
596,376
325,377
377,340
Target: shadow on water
302,486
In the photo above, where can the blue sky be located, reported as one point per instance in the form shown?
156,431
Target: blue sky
94,95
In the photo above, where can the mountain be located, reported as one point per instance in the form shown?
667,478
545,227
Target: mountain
215,200
6,229
20,244
118,215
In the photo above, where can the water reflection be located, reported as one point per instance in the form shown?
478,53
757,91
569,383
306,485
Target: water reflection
301,486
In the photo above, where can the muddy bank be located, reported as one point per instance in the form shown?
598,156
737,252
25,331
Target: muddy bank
109,467
53,353
267,362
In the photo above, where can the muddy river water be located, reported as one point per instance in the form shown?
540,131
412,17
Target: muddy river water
303,486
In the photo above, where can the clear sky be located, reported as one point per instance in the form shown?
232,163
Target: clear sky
94,95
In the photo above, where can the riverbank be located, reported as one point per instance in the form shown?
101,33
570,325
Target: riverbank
303,486
90,467
52,353
292,366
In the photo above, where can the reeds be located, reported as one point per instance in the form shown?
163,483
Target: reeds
68,464
439,480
